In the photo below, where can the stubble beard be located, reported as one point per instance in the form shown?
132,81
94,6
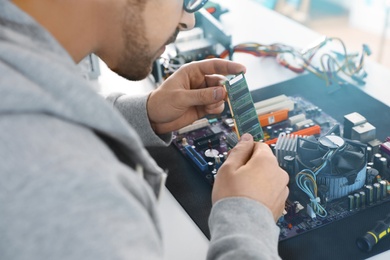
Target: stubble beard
134,63
137,60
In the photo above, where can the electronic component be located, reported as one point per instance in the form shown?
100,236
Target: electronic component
196,158
296,119
274,104
203,122
313,130
340,164
364,133
206,40
206,141
343,183
196,49
232,139
350,121
273,117
303,124
242,108
385,147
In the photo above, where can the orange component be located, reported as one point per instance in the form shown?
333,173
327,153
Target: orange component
313,130
211,10
273,117
289,226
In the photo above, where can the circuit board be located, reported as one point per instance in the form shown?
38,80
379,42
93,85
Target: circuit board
208,138
205,145
242,108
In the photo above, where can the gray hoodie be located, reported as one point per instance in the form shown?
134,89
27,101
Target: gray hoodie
70,184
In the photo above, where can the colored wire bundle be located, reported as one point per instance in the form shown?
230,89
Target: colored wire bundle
331,64
307,181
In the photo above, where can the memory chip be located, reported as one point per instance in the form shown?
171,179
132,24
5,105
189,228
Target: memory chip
242,108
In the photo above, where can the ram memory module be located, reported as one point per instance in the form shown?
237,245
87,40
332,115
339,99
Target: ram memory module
242,108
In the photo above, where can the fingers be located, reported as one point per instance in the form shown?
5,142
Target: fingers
216,66
252,171
202,97
205,79
214,108
241,153
214,80
207,73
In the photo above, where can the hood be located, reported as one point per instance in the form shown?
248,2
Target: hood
38,76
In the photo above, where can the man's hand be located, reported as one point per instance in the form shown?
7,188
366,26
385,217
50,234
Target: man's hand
192,92
252,171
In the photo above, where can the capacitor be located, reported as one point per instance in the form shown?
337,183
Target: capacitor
210,154
290,129
217,160
184,141
369,154
269,129
357,200
221,157
376,160
275,133
383,162
377,192
351,205
210,166
369,194
383,189
214,172
362,199
225,155
371,175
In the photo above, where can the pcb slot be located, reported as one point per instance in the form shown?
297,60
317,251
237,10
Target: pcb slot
196,158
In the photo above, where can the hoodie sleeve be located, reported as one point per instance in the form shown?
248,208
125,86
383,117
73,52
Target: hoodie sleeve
133,108
242,228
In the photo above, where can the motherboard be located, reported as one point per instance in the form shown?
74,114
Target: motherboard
336,169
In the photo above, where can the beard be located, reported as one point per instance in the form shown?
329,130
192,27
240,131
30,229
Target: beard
137,60
134,64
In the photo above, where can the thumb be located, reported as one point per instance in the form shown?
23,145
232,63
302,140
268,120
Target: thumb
205,96
242,152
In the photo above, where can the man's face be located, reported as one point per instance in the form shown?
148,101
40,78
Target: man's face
146,27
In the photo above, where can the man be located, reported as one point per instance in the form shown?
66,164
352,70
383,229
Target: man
75,179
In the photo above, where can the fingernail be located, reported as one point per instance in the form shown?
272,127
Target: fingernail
246,137
218,94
